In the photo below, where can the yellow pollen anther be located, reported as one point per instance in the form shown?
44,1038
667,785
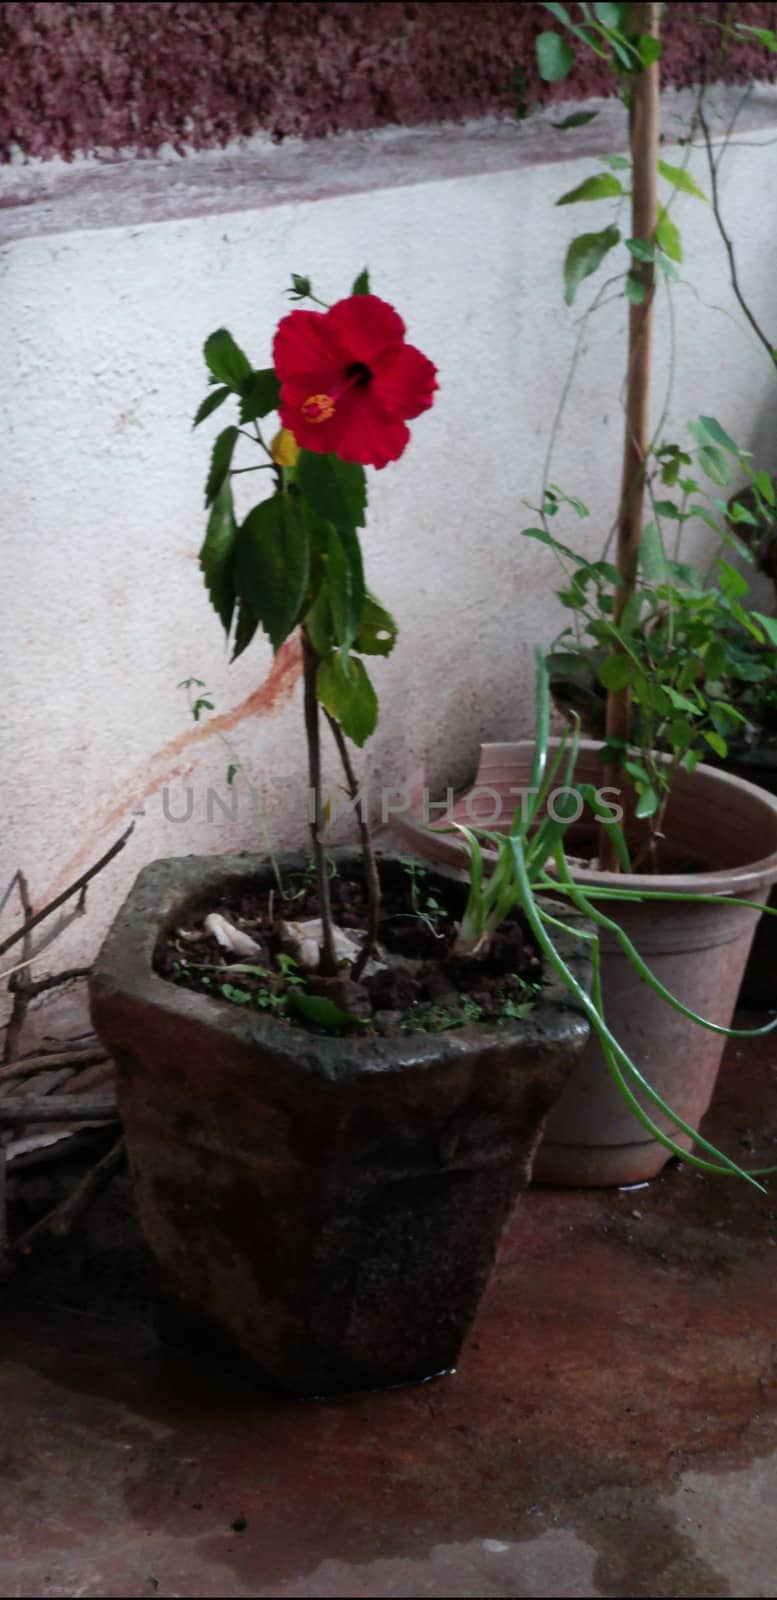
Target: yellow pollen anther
318,408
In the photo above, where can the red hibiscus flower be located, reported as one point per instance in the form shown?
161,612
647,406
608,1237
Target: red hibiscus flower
349,381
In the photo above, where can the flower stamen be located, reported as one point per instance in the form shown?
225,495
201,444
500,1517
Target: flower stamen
318,408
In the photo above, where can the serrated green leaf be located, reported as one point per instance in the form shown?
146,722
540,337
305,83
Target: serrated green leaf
601,186
211,403
225,359
260,395
245,628
578,119
585,254
345,691
616,672
680,179
668,236
217,555
555,57
378,631
272,564
336,490
344,583
362,283
220,462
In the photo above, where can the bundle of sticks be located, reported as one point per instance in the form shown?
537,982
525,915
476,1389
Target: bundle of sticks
59,1101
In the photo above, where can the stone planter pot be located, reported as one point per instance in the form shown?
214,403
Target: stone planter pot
331,1207
698,951
759,984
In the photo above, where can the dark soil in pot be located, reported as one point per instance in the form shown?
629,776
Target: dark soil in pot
418,983
328,1205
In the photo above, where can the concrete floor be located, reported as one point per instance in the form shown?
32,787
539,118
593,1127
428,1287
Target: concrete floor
611,1430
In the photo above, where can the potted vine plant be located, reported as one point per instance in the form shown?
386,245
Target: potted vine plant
660,643
328,1112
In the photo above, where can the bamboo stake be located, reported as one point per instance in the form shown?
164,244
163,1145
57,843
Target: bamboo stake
644,126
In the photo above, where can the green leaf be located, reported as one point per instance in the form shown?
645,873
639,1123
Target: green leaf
220,462
558,11
717,743
336,490
362,283
245,628
647,803
344,583
680,179
652,557
555,57
239,997
715,660
608,14
584,255
602,186
217,554
667,508
769,625
713,462
577,119
668,236
316,1008
765,486
640,249
232,772
618,163
272,565
616,672
731,581
649,49
211,402
634,289
260,395
345,691
318,621
718,435
765,36
226,360
377,633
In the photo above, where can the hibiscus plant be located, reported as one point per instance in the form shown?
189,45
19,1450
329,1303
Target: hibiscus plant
344,383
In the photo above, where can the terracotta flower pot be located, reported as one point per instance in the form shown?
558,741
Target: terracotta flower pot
727,830
331,1207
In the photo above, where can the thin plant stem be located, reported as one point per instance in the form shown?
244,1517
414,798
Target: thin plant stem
368,853
328,960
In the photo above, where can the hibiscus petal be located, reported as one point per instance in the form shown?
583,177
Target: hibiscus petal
320,437
364,325
303,343
404,381
371,437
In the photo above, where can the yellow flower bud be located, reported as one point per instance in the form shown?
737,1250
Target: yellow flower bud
284,448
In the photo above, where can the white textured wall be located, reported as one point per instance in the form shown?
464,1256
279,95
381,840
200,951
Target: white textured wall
103,322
